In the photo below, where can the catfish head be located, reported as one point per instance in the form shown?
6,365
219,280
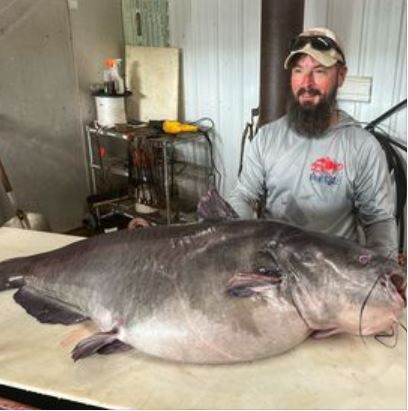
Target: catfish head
336,285
340,287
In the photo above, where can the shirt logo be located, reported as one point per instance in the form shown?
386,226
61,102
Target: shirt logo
326,171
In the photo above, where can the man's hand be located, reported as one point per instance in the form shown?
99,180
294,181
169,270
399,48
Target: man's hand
138,222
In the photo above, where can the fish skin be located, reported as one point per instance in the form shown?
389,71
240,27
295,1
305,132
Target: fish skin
216,292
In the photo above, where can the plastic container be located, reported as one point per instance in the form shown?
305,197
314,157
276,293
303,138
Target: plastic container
110,100
110,110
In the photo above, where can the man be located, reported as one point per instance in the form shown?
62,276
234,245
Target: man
316,166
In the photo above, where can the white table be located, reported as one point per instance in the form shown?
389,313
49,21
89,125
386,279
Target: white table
336,373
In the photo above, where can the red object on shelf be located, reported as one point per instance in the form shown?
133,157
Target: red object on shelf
102,151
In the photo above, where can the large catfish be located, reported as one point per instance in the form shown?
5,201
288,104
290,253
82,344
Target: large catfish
211,292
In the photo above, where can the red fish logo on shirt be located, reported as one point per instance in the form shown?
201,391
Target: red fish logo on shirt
326,165
326,170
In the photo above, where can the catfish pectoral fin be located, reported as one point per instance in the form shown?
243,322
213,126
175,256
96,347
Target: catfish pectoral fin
98,342
47,309
247,284
115,346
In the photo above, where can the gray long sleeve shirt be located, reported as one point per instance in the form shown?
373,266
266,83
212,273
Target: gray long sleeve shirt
329,184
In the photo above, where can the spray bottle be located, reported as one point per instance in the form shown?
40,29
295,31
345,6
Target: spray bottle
113,82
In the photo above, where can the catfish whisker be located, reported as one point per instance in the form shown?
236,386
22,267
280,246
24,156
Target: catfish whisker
394,333
403,326
360,326
385,334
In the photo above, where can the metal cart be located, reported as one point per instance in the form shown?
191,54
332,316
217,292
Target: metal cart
148,163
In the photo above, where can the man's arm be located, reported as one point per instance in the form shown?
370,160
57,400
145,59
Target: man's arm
248,190
374,201
381,237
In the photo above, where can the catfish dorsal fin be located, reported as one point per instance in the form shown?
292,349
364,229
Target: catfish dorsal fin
213,207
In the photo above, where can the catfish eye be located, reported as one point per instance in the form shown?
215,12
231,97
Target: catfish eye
266,271
383,282
364,259
308,257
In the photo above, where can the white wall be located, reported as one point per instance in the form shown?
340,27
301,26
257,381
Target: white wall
51,50
97,33
39,125
220,42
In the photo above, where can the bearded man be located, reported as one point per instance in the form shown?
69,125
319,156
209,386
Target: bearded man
316,166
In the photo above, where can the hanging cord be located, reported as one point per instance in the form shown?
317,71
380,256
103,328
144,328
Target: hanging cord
395,164
201,123
248,134
214,175
245,135
206,126
250,130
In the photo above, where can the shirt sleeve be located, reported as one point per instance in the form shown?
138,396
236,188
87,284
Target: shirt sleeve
374,200
381,237
248,189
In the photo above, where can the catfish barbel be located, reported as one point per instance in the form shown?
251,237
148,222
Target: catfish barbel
210,292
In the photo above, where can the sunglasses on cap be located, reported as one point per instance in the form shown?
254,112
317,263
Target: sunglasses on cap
321,43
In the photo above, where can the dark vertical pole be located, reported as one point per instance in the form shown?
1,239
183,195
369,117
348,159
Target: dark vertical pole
281,21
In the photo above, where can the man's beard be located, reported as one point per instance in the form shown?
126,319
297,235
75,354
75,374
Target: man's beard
311,120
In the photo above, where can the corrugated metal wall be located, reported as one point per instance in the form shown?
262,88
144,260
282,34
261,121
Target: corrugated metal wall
220,54
373,33
220,42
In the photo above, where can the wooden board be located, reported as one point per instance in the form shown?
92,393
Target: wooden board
338,372
152,75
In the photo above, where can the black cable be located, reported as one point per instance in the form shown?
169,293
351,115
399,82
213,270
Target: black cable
206,132
248,134
243,141
395,164
393,141
213,166
370,126
201,126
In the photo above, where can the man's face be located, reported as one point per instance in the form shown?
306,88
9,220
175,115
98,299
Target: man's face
311,82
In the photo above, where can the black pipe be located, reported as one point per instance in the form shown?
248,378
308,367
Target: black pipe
395,165
389,113
281,20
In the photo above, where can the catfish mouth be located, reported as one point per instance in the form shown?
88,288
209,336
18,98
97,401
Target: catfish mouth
394,284
400,283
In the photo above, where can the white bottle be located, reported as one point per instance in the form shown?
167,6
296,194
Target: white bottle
119,83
